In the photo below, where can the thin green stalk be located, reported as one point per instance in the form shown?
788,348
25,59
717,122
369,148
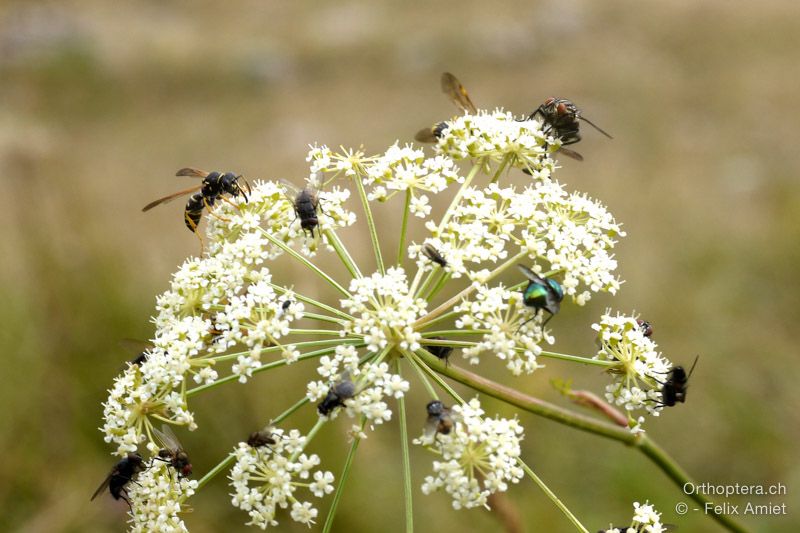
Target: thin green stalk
407,492
230,458
401,252
457,198
311,301
298,345
324,318
343,254
424,378
373,233
584,423
441,280
309,437
550,494
306,262
348,463
428,278
439,381
466,292
500,169
466,344
268,366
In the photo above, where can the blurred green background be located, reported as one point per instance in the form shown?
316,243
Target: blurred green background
101,102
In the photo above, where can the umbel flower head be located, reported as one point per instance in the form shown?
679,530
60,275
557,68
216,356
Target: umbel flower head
267,478
645,520
639,369
231,314
478,457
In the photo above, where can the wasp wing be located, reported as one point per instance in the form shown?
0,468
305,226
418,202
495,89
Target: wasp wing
457,93
135,346
171,197
426,135
192,172
167,438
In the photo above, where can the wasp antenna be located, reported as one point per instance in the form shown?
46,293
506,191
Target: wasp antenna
595,126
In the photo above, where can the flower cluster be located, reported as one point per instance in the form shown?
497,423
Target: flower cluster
513,332
267,478
645,520
372,382
639,368
156,498
407,169
500,137
478,457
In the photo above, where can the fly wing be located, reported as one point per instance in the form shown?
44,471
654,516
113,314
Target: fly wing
167,438
104,485
531,275
136,346
571,153
171,197
431,426
290,190
457,93
192,172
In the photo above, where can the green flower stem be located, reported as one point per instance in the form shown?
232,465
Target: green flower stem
553,497
325,318
343,254
417,366
309,437
373,232
306,262
401,252
270,349
445,316
448,213
467,344
407,491
457,198
500,169
348,463
466,292
268,366
439,381
584,423
311,301
231,458
425,284
442,280
211,474
333,332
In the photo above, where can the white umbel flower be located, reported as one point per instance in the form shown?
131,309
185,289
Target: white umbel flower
155,499
266,479
478,457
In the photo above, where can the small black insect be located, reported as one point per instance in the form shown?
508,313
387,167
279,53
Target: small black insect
433,254
121,474
440,419
285,305
172,452
214,186
673,390
562,118
305,202
338,393
258,439
459,96
142,349
646,327
439,351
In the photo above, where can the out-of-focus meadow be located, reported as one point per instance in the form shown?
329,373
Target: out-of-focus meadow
100,103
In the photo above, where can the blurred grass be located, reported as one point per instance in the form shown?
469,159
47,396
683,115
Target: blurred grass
99,105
